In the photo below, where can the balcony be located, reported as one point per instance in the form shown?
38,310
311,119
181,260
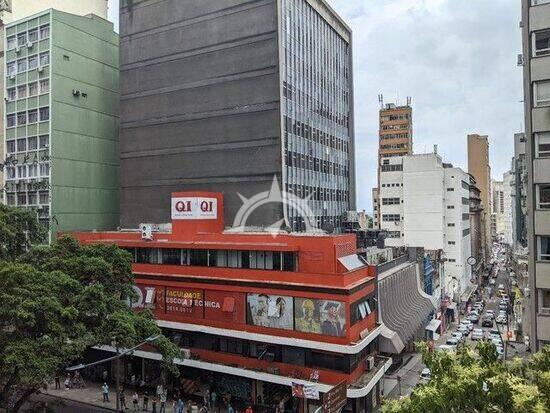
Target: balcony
364,384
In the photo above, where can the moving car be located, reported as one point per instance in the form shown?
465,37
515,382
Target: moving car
458,335
501,319
477,334
468,324
452,341
490,313
473,317
464,330
447,347
487,321
497,342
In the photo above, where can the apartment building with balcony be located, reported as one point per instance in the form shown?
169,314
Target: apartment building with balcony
61,119
255,311
536,86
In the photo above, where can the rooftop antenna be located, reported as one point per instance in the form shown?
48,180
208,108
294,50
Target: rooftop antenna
409,100
381,100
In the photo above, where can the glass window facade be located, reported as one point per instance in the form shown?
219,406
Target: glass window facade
316,105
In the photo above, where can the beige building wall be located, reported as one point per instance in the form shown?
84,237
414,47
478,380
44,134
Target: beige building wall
12,10
480,169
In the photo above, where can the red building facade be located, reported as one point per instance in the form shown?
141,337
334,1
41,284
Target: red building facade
257,310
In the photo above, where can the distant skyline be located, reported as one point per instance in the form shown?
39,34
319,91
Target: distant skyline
456,59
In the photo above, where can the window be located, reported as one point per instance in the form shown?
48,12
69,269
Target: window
541,43
33,62
33,170
33,116
450,189
44,197
44,169
44,85
394,234
33,35
542,144
545,299
32,195
21,118
542,93
451,260
199,257
543,248
450,207
12,68
10,146
465,217
391,168
10,120
22,39
44,114
12,94
32,143
10,198
21,65
44,31
171,256
44,59
10,172
543,196
21,145
21,171
12,42
451,225
391,217
451,243
33,89
44,141
391,201
21,92
362,308
537,2
21,198
466,232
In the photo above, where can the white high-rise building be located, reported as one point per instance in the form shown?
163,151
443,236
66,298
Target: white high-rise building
425,203
502,208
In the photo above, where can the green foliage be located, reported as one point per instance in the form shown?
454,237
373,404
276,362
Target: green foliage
19,229
56,302
475,381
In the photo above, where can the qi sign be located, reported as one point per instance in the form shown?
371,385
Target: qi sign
194,208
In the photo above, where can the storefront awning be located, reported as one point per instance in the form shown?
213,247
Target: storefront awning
433,325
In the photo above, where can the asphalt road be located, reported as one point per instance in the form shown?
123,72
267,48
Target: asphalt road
66,406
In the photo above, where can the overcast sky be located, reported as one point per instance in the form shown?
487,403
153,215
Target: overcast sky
455,58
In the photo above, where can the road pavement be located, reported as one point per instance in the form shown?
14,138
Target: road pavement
65,405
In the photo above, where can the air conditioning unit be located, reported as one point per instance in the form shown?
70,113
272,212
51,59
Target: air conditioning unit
40,69
370,363
76,92
185,353
146,232
17,49
12,77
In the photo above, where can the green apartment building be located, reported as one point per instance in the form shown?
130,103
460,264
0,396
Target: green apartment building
61,120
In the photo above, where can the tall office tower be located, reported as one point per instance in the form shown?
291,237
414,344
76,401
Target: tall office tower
480,168
11,10
497,194
536,86
395,138
61,129
226,96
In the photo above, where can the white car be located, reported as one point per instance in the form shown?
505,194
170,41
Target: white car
468,324
458,335
464,330
452,341
425,375
501,319
477,335
490,313
447,348
497,342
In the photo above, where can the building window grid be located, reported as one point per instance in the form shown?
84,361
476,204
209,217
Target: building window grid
32,62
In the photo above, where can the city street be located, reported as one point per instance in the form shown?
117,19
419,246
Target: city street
66,405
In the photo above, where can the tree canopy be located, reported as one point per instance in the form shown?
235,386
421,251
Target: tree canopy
476,381
56,302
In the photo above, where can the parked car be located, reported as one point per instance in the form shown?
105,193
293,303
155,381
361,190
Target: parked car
425,375
497,341
487,321
452,341
501,319
490,313
458,335
464,330
477,334
473,317
468,324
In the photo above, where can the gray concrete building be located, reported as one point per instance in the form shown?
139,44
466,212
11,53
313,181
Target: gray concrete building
228,95
536,60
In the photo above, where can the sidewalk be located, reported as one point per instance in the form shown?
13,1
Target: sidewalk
91,394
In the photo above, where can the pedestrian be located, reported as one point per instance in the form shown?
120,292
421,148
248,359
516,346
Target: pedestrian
249,409
163,402
135,401
105,390
214,399
230,409
206,397
67,382
145,401
203,409
154,405
180,406
122,398
57,382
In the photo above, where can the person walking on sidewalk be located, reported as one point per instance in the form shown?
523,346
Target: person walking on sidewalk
163,402
57,382
214,398
154,405
145,401
105,391
135,401
123,400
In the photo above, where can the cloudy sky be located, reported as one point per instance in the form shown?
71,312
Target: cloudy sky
455,58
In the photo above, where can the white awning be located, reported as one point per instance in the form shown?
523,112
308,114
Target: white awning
433,325
351,262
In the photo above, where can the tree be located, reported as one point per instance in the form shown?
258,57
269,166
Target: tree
476,381
19,229
56,302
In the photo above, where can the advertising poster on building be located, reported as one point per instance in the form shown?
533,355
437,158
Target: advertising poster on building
274,311
184,302
225,306
148,297
326,317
